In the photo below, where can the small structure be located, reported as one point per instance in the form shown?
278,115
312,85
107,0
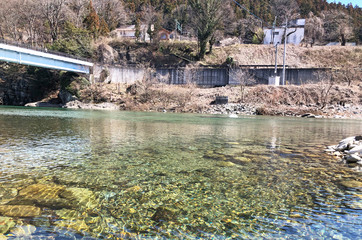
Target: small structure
130,32
295,31
165,35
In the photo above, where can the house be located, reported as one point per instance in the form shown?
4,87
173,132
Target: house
130,32
165,35
276,35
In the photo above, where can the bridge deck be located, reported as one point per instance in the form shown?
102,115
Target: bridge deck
31,57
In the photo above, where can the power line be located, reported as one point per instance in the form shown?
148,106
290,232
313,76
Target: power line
241,6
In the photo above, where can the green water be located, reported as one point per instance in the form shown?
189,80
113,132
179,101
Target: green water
170,176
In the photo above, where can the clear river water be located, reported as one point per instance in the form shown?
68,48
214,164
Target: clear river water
67,174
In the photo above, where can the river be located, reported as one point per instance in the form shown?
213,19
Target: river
68,174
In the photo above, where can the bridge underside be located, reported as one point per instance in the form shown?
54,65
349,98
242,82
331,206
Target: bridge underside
30,57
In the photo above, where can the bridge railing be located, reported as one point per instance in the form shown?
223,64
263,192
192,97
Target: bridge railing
45,50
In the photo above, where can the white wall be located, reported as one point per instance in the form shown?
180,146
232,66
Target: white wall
294,38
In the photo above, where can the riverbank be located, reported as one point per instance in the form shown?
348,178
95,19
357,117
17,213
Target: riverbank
310,101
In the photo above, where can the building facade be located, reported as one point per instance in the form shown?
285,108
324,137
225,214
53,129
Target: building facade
295,32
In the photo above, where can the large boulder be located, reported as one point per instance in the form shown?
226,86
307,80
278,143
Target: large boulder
106,54
66,96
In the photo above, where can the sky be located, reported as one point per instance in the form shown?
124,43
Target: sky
345,2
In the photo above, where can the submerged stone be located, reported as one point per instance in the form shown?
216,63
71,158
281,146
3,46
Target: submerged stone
225,164
67,214
24,231
19,211
134,189
41,191
80,197
41,195
6,224
77,225
7,194
164,214
351,184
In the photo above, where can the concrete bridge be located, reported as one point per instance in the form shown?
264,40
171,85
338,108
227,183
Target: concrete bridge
27,56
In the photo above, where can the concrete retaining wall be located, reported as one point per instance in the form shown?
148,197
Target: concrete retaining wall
201,76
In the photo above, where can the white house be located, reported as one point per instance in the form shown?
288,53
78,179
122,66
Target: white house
276,35
130,32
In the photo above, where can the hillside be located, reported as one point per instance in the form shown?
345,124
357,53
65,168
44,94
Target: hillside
302,57
127,52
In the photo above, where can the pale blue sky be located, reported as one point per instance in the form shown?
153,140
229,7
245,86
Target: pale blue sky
345,2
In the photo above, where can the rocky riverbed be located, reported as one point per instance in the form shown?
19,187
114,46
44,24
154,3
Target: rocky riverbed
349,150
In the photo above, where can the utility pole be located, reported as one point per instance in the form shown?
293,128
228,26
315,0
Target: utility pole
273,30
285,49
276,59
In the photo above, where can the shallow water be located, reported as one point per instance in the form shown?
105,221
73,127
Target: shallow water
171,176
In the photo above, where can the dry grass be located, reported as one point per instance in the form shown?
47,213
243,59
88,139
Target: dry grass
319,56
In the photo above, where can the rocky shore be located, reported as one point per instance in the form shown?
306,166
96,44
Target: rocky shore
349,150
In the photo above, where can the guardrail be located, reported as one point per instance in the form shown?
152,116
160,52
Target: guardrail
45,50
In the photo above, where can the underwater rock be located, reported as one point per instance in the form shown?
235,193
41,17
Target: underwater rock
7,194
67,214
225,164
134,189
242,160
164,214
23,231
5,224
42,195
80,197
41,191
77,225
19,211
351,184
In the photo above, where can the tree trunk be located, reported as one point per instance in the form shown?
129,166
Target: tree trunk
343,40
203,44
211,43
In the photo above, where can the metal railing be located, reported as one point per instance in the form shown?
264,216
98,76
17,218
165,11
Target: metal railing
45,50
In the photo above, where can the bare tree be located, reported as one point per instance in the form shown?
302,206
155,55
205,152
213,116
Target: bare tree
325,81
314,30
338,26
10,20
205,18
29,12
250,30
243,77
78,10
54,11
112,11
285,9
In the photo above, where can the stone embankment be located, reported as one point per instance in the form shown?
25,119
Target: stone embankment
331,111
349,150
